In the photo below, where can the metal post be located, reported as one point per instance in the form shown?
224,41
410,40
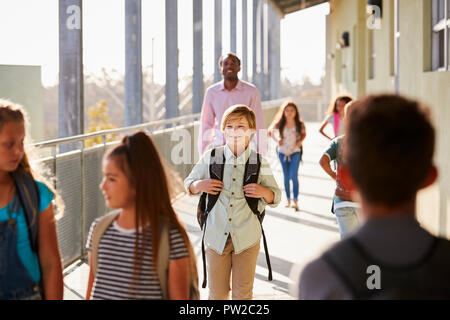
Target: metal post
244,66
197,81
255,50
133,63
263,50
171,59
70,105
217,38
152,94
274,58
397,46
233,26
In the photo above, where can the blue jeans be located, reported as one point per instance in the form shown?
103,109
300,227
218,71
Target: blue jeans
347,219
290,166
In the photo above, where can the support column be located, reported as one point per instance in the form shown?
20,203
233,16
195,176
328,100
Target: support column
133,63
274,63
361,43
244,59
217,38
70,90
263,49
233,40
255,46
197,81
171,59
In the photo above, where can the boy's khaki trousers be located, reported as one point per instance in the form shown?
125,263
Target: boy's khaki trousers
241,266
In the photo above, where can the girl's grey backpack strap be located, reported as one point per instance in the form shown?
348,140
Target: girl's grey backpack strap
163,258
97,234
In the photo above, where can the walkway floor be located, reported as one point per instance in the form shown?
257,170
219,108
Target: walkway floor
294,238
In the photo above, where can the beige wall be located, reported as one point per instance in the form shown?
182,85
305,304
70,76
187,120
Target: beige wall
433,88
343,18
384,79
416,81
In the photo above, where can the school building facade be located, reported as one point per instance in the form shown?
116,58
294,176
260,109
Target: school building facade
398,46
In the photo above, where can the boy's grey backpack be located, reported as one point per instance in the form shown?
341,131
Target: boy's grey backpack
163,254
425,279
207,201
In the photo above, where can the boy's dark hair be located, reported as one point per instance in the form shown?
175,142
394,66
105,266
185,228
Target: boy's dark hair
389,146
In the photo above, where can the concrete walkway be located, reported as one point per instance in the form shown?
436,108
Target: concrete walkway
294,238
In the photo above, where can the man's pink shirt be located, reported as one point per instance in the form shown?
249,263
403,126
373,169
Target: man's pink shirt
217,100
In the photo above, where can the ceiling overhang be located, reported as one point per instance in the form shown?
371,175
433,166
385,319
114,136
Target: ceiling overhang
283,7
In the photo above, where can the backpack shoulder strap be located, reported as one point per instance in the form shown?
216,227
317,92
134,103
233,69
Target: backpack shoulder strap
28,196
251,174
216,168
97,234
194,292
163,258
163,264
208,201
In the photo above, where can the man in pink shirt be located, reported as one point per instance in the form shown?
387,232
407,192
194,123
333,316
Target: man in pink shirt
222,95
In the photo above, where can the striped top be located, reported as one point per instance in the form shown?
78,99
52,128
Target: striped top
115,264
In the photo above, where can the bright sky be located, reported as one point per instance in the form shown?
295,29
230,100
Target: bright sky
29,36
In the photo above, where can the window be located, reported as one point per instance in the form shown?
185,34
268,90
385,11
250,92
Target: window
440,20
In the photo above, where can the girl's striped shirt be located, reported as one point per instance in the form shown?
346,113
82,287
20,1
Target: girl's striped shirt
115,264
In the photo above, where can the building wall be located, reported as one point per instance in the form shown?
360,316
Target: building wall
415,77
343,18
22,84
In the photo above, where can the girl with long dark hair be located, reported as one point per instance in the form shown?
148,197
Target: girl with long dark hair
125,263
289,131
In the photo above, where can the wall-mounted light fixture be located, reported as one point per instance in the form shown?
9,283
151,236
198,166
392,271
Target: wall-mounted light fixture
344,41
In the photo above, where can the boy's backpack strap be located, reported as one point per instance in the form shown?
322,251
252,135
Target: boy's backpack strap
208,201
216,168
97,234
251,174
163,257
28,195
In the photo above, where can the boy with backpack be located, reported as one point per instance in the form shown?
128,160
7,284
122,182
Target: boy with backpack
237,183
388,155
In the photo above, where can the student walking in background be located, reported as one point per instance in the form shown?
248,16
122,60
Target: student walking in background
232,230
289,131
335,117
345,209
30,262
126,258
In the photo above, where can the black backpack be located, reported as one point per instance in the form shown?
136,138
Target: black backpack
425,279
207,201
